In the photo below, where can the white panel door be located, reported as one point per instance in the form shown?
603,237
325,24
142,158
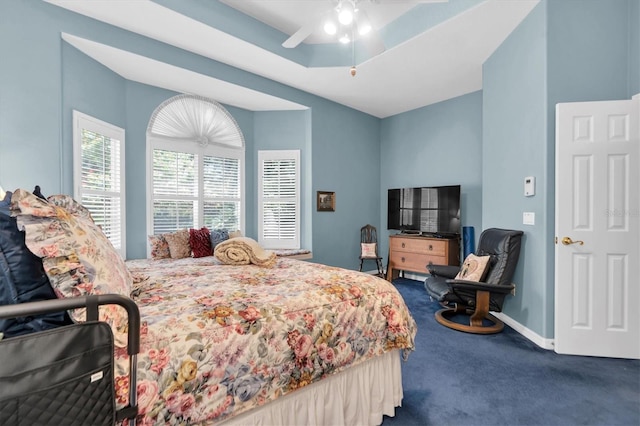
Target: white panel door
597,272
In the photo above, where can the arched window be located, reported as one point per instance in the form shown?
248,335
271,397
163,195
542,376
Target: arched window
195,166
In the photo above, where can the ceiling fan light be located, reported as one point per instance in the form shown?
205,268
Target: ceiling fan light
330,28
345,17
345,14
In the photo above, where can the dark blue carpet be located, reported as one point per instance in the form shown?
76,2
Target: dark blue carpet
455,378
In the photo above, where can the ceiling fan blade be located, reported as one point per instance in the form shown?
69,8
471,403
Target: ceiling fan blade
299,36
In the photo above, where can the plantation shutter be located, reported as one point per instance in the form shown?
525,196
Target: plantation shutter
99,175
175,190
221,179
279,199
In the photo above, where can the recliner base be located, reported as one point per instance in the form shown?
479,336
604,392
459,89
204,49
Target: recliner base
476,318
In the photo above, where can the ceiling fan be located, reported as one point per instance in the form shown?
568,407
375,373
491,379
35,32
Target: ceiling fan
348,20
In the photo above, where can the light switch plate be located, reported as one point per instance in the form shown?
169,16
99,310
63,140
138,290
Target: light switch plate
528,218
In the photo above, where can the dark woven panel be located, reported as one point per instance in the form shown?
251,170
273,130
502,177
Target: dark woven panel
9,413
78,402
58,377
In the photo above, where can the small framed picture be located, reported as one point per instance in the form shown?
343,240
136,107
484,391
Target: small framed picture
326,201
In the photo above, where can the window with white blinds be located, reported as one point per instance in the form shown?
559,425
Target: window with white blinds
99,179
221,192
175,190
194,186
279,199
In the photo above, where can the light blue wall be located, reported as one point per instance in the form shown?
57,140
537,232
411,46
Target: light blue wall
346,160
440,144
141,102
634,47
286,130
589,50
564,51
515,146
43,79
79,84
30,93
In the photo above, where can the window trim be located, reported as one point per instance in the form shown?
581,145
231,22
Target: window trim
264,155
85,121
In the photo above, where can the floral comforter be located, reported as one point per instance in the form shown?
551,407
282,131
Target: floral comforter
218,340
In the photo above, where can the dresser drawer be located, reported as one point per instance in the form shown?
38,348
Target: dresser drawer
414,253
414,262
418,245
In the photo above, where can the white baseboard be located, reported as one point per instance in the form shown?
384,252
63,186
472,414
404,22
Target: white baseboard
542,342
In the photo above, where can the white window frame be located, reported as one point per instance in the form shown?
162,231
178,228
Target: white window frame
84,121
284,155
193,147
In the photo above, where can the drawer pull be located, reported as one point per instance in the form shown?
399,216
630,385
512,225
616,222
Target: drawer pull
402,245
430,247
402,260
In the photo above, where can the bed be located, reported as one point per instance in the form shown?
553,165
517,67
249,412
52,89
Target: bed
293,343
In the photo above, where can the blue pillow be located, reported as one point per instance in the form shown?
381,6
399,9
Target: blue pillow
218,236
22,279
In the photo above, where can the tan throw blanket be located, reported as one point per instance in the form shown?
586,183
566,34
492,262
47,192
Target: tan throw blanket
243,251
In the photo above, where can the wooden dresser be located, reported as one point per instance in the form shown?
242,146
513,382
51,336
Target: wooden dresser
414,252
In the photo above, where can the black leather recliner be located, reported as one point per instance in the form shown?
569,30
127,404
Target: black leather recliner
473,298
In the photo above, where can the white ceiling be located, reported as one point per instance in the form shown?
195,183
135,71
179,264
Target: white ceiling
289,15
440,63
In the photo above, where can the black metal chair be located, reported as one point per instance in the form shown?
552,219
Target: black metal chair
369,247
472,298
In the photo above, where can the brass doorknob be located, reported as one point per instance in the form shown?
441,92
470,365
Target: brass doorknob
568,241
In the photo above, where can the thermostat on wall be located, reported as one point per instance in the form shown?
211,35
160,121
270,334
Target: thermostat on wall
529,186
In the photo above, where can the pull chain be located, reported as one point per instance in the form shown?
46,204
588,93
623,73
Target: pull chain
353,54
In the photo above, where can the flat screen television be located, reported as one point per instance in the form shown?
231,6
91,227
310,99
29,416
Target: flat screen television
432,210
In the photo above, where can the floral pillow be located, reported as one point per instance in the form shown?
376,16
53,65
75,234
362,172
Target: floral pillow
70,205
159,247
200,242
179,244
474,268
76,255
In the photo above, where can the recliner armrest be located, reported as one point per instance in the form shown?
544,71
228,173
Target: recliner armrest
475,285
446,271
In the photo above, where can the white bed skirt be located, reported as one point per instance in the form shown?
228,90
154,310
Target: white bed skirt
359,396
